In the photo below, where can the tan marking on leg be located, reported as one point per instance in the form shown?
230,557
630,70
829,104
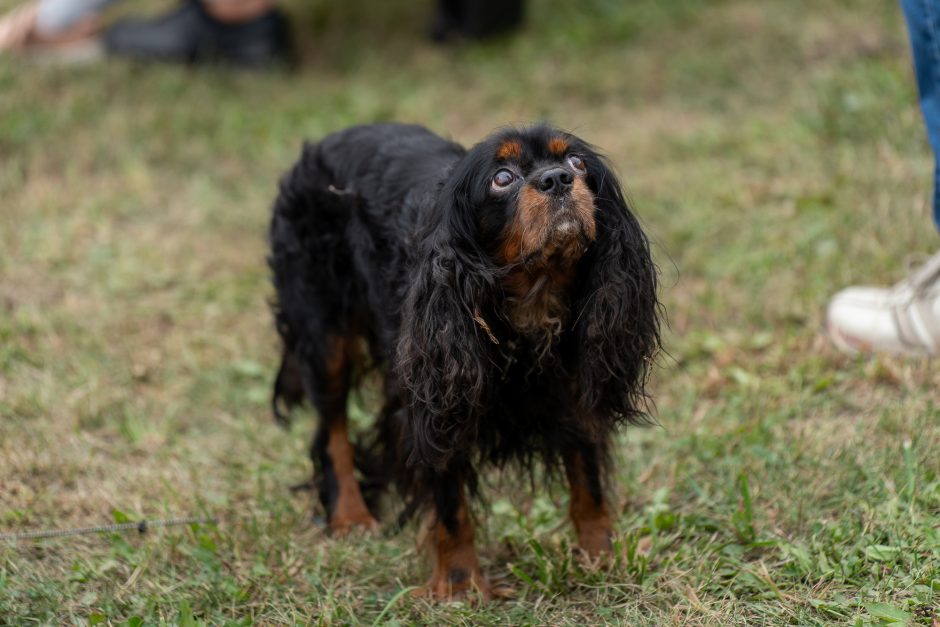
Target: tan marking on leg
350,510
591,518
456,566
337,362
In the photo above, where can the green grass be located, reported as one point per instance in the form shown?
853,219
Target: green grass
773,150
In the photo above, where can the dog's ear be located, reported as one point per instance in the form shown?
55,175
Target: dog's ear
616,307
443,354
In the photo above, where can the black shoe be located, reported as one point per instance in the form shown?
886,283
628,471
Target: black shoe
190,35
475,19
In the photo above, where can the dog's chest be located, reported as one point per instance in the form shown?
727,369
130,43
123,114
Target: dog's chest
538,307
532,375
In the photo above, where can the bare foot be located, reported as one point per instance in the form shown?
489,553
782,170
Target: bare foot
20,33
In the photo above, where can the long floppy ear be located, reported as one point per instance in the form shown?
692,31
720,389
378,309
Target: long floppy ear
444,359
617,309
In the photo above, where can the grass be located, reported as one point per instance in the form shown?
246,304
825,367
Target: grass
775,154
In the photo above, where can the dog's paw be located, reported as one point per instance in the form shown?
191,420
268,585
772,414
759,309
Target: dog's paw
595,536
595,546
457,584
342,526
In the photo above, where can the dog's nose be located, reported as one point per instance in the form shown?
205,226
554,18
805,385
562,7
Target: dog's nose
555,181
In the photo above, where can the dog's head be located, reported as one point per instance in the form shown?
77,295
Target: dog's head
526,198
529,194
531,227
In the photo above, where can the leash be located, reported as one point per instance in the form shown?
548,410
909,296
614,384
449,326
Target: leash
141,527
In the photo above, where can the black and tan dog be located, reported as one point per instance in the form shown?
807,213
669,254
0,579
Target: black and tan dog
506,293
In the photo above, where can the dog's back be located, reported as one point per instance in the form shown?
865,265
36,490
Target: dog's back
384,163
346,208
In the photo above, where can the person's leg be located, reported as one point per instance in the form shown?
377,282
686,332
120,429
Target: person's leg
904,319
56,17
239,32
67,27
923,24
238,11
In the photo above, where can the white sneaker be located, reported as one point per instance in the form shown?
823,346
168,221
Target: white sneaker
902,320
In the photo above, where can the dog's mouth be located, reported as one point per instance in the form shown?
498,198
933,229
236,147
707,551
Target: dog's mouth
567,227
565,222
564,240
571,227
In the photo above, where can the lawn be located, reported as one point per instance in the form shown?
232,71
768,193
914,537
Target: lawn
774,152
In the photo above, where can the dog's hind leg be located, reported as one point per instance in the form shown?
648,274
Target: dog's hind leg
331,451
588,508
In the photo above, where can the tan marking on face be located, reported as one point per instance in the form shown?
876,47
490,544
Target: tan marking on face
530,231
510,149
544,259
584,207
558,146
529,228
590,517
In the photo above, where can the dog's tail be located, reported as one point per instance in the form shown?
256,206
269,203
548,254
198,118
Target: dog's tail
288,390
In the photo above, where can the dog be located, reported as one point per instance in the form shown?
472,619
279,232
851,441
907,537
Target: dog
505,293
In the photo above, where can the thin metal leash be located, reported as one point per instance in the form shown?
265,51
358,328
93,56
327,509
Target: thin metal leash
140,526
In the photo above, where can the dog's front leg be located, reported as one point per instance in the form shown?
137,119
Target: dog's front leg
588,508
450,540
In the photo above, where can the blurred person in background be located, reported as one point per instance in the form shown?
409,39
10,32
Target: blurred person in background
250,33
240,32
905,318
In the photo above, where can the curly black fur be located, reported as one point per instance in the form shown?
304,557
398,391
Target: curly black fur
394,240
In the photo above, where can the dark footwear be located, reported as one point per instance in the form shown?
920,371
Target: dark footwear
190,35
475,19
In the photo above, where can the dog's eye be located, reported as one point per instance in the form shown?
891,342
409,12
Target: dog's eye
503,178
576,162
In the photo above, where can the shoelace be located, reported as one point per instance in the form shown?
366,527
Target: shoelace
923,278
914,317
